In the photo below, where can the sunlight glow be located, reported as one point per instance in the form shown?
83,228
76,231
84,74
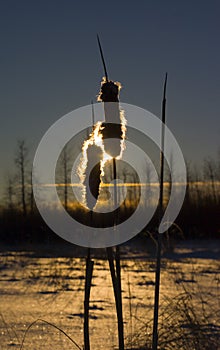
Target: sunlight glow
96,139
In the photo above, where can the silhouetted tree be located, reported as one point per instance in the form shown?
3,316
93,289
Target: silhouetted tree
64,174
21,162
148,171
9,193
210,174
31,195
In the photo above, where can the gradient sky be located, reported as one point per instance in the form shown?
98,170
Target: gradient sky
50,65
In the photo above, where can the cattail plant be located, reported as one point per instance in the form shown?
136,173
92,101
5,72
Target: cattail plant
113,128
97,150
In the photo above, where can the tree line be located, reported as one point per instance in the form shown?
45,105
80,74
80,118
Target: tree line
20,221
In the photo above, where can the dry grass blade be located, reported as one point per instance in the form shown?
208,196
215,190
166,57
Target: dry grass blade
50,324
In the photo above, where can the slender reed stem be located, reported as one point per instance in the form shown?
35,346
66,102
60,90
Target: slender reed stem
159,240
115,269
89,270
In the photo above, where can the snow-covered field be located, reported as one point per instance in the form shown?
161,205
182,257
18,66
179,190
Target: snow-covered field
52,289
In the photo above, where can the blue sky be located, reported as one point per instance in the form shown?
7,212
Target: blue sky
50,65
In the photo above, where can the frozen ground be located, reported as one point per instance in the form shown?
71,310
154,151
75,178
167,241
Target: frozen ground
52,289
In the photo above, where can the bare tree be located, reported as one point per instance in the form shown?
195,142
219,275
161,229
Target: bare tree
9,192
218,165
64,173
210,174
31,194
196,188
21,161
66,159
189,181
149,194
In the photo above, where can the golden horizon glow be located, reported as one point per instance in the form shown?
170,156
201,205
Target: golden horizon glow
132,184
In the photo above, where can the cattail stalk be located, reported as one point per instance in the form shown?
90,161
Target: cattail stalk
109,95
159,240
88,283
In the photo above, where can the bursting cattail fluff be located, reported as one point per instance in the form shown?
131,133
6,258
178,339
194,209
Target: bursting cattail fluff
100,146
90,168
114,125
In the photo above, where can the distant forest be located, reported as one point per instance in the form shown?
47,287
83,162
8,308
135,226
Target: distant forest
21,222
